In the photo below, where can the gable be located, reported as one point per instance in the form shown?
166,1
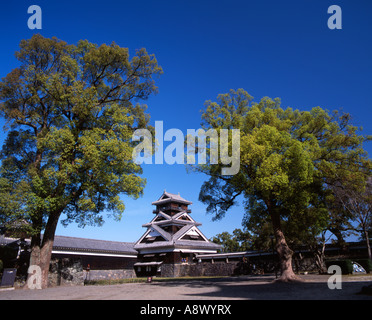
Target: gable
193,234
161,216
151,236
184,217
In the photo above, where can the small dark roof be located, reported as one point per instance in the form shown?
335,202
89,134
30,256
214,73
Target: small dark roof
171,197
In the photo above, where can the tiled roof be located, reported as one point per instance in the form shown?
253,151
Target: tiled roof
168,197
195,245
73,243
174,240
82,244
176,231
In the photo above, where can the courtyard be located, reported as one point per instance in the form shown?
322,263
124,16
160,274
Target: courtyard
232,288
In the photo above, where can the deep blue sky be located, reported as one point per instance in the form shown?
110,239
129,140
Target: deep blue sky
270,48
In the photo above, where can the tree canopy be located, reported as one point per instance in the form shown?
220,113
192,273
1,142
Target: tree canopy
288,158
71,111
237,241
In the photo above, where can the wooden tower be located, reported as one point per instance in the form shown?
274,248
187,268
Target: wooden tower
172,238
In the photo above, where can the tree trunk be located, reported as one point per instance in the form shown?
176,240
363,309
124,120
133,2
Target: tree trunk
367,242
41,254
35,250
319,253
340,239
284,252
319,259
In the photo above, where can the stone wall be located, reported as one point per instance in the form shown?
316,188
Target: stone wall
199,269
251,265
66,271
108,274
69,271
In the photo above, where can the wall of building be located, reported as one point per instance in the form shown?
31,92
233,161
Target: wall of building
109,274
74,270
199,269
71,270
100,262
66,271
232,267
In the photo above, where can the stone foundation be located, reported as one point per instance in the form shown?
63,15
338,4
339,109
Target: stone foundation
199,269
66,271
108,274
69,271
252,265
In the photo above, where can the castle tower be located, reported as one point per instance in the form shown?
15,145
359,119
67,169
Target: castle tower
172,238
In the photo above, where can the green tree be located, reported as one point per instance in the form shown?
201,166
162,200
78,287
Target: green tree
238,241
287,157
71,110
306,229
226,241
340,221
355,196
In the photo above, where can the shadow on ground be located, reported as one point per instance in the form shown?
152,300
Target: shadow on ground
265,288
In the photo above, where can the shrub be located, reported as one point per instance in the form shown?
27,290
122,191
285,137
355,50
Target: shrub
346,265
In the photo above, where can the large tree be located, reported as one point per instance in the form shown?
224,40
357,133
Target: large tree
287,157
355,196
71,110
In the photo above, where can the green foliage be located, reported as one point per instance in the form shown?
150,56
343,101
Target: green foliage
238,241
288,159
71,112
346,265
355,197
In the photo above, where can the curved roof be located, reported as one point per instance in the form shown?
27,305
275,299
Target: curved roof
170,197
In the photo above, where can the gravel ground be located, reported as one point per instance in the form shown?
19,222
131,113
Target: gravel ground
245,287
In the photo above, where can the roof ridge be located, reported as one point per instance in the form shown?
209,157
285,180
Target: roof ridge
171,196
92,239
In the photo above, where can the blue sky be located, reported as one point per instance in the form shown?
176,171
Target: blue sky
270,48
